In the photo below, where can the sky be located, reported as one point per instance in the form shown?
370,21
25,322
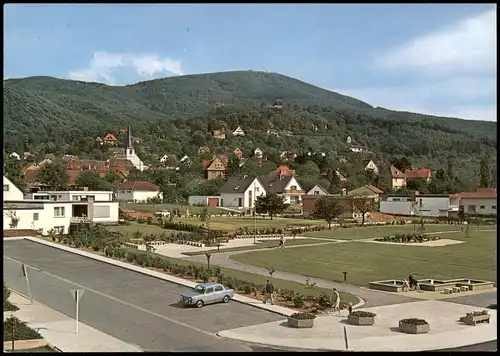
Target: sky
437,59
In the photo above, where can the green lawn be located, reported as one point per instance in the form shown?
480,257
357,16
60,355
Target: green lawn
263,244
233,223
171,207
260,280
129,230
358,233
366,261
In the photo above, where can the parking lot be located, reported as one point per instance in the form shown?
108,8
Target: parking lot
133,307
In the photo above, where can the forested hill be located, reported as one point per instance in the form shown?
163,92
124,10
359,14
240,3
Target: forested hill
44,110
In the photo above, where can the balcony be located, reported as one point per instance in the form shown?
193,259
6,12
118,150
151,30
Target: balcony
79,220
294,191
453,207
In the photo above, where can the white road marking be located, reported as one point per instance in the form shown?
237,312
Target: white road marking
118,300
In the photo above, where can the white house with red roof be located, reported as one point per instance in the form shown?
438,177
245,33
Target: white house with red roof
138,191
481,202
367,190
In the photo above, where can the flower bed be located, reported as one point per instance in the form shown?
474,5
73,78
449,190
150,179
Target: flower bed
301,320
414,326
476,317
361,317
21,330
408,238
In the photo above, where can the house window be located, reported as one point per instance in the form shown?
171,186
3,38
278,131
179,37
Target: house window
5,187
257,189
59,229
293,187
129,191
493,207
482,207
59,212
316,192
240,202
35,216
471,208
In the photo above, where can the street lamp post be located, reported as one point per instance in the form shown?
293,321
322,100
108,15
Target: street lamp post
254,215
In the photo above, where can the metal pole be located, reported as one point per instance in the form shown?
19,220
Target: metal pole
25,273
345,339
77,299
254,216
13,338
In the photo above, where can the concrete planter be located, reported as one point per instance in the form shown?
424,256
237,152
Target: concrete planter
300,324
414,329
361,320
473,320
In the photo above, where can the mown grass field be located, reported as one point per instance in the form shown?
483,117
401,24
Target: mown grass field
365,261
130,230
264,244
359,233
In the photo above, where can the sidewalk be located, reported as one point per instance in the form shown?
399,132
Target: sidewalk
59,330
328,331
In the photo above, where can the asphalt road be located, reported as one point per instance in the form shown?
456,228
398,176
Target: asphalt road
130,306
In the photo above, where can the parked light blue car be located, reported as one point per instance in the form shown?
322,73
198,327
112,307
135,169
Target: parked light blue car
207,293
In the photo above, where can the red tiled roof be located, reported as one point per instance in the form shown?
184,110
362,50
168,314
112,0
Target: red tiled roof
418,173
481,193
139,185
374,189
206,163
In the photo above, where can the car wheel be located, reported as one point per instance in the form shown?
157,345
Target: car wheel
199,303
226,299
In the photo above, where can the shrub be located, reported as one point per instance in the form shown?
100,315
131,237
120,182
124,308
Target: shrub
492,306
477,313
303,316
414,321
247,288
21,330
324,301
298,301
8,306
364,314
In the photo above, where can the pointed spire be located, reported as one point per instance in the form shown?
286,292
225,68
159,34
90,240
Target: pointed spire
129,132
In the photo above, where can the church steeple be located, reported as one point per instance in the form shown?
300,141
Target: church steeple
129,142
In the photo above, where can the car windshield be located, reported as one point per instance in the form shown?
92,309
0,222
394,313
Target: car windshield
199,289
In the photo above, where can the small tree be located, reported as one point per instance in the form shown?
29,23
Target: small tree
14,219
328,209
271,204
205,216
363,204
208,255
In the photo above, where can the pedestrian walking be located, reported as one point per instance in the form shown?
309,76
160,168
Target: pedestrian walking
336,303
282,241
269,292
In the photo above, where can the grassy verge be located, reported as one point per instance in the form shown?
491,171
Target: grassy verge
263,244
359,233
365,262
21,330
171,207
130,230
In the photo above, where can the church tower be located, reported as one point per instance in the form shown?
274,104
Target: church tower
130,148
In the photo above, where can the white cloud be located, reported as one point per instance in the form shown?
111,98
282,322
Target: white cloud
455,71
469,45
103,66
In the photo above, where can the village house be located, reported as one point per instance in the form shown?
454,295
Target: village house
219,134
370,165
284,171
426,205
285,186
110,139
238,153
138,191
481,202
317,190
55,211
272,132
203,150
367,190
258,153
400,179
238,132
15,155
241,192
215,168
99,141
129,153
28,156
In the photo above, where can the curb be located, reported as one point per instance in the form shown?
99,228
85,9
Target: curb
176,280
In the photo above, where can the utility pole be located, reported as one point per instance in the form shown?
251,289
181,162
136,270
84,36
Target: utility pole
254,215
